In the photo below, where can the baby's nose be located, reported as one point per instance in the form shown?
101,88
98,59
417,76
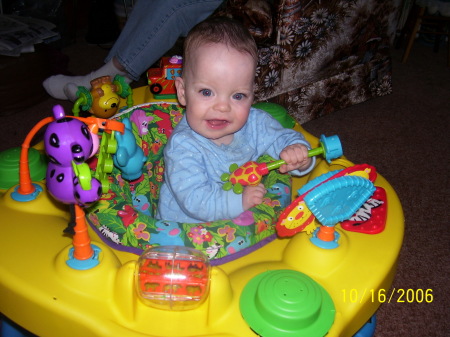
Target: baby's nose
222,105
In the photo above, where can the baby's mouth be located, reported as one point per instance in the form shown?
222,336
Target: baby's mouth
217,123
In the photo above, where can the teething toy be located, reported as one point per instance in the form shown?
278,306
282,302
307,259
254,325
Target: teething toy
252,172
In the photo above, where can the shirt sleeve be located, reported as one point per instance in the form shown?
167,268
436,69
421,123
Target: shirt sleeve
273,137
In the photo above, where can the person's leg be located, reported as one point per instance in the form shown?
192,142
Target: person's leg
152,29
65,87
155,32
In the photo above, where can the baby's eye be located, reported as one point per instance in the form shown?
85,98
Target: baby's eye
206,92
239,97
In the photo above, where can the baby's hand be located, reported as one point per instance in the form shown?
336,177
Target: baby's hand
296,157
252,196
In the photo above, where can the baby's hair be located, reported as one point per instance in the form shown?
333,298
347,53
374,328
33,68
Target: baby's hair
220,30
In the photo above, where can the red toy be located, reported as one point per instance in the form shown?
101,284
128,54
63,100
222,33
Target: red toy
162,80
173,277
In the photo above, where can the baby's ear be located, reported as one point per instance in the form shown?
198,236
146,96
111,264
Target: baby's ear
179,85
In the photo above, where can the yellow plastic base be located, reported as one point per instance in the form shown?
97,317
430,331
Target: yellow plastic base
40,292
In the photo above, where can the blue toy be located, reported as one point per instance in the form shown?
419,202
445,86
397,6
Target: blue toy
129,158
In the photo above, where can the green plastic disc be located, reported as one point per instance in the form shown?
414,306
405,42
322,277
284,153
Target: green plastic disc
9,166
286,303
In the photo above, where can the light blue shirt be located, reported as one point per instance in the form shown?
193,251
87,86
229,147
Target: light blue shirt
192,189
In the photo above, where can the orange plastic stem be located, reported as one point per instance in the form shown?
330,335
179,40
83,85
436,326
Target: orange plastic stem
82,249
100,123
326,233
25,184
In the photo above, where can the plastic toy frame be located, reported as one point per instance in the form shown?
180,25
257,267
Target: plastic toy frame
40,292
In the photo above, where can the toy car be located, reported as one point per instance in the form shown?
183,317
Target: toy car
162,80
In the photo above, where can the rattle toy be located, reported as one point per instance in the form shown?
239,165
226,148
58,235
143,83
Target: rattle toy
251,173
69,142
329,199
173,277
103,98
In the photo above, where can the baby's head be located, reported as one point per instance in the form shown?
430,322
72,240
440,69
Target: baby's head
217,83
219,30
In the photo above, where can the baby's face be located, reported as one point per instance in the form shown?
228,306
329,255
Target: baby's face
217,90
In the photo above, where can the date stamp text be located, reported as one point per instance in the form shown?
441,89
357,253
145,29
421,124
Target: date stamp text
394,295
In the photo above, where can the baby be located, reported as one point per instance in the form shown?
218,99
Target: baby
221,128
